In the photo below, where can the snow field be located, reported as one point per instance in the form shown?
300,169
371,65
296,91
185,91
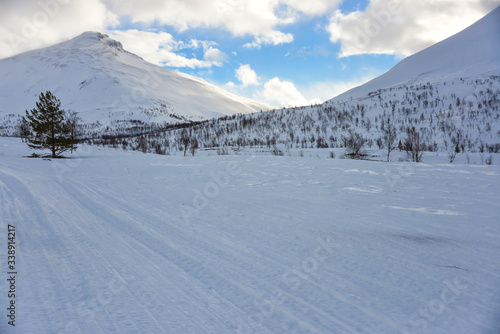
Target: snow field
125,242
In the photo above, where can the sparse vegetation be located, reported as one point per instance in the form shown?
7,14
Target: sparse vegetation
386,114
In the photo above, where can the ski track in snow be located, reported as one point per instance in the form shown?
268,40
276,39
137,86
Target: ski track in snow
285,245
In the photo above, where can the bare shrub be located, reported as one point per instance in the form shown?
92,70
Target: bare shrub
354,143
413,145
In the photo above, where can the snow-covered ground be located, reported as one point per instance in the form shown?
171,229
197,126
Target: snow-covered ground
124,242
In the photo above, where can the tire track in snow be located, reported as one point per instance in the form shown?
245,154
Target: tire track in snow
36,287
127,224
148,240
63,243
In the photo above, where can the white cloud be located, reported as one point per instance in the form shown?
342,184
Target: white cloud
258,18
162,49
238,17
273,38
247,76
312,7
403,27
32,24
284,93
230,86
391,27
215,55
196,43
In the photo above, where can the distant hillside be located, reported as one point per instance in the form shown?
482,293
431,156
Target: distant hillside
449,92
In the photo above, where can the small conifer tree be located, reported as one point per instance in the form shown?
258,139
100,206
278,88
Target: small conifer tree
48,126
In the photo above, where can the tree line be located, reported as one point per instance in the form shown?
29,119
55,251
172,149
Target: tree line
425,117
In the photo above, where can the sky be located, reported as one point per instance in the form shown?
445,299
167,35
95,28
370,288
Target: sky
283,52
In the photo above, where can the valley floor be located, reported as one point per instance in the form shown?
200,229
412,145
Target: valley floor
124,242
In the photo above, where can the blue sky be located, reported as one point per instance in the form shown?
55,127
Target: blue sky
284,52
310,62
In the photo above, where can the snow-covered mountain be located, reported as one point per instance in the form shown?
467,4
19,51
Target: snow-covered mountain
472,53
93,75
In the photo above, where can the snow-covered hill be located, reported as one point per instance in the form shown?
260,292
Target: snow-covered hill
449,92
94,76
473,53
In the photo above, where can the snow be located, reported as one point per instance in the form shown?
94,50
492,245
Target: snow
94,76
112,241
472,53
123,242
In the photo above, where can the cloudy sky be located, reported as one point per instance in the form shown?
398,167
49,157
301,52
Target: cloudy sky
284,52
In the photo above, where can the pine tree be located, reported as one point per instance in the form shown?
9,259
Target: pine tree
49,128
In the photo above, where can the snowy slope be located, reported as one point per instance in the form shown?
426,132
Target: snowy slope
93,75
471,53
125,242
449,92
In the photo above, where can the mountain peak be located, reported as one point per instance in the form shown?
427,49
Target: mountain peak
97,37
92,35
95,76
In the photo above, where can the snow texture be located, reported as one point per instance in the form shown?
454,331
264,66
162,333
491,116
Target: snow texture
124,242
